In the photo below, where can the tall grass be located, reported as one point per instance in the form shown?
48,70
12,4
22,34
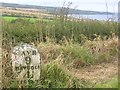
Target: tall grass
53,75
26,31
96,37
64,44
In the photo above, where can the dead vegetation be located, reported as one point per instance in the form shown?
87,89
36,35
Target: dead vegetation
24,12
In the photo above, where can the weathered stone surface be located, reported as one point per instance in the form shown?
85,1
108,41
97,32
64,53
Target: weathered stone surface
26,62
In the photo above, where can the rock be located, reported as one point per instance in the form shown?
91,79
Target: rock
26,63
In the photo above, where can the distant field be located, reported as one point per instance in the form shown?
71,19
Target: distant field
23,12
10,18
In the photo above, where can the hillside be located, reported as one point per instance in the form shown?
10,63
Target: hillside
52,10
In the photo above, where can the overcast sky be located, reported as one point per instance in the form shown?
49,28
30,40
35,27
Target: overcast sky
94,5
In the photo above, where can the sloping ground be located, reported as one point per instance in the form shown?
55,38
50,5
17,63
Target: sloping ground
97,73
100,72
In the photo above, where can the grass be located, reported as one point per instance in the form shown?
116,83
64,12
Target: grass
64,44
10,18
57,30
54,75
112,83
79,55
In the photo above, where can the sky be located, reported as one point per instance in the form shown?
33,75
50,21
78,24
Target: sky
93,5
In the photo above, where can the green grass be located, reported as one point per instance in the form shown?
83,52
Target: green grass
112,83
57,30
68,36
10,18
53,75
77,55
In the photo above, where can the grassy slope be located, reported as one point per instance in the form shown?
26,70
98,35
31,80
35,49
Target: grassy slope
68,56
71,54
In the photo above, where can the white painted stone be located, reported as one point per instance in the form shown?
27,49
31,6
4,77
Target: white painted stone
26,56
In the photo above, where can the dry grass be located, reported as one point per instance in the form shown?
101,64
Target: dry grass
23,12
58,58
53,54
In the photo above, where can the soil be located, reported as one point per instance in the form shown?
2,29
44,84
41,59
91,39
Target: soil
97,73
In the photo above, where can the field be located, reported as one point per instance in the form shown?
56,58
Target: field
24,12
10,18
75,53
